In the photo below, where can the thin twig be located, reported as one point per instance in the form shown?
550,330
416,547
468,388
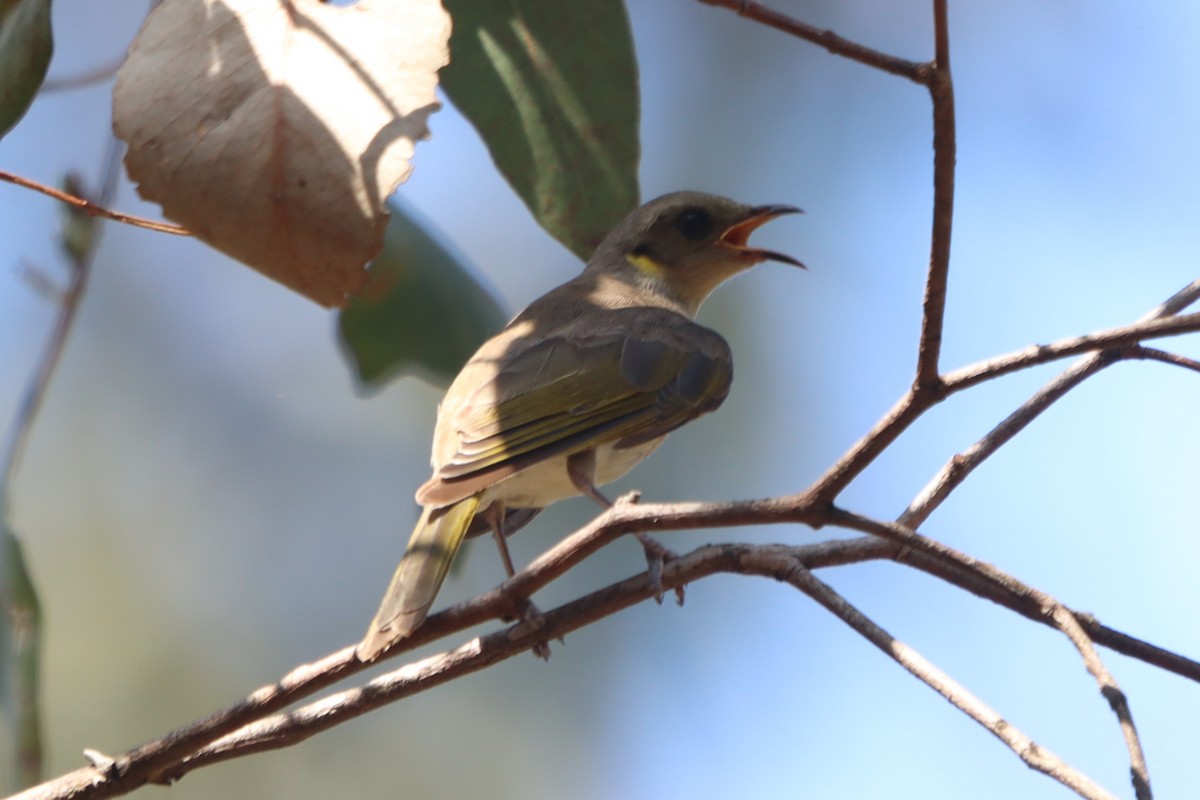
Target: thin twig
941,93
956,470
94,209
912,405
35,392
1175,303
963,464
1106,347
81,254
1154,328
927,389
850,464
1174,359
1063,619
1034,755
935,75
827,39
1023,604
68,305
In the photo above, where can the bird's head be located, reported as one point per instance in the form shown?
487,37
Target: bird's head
685,244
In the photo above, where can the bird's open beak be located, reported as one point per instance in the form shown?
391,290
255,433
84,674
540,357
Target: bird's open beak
737,236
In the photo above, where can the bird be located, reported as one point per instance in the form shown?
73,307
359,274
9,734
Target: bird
577,389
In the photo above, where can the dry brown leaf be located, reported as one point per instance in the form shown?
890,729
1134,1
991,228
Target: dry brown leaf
276,129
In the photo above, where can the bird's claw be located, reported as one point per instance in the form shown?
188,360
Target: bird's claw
524,610
656,557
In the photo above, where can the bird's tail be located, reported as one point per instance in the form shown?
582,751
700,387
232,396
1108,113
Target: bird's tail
431,549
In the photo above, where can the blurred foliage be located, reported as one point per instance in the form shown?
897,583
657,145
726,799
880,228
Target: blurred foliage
422,310
79,228
20,646
26,45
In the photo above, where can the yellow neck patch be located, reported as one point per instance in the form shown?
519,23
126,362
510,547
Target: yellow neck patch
647,266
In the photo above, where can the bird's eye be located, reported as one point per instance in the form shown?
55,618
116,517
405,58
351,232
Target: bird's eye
694,223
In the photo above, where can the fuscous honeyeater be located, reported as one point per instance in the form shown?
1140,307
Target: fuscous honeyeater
578,388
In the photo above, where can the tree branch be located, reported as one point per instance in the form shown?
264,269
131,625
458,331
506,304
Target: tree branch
1051,609
1107,347
941,93
118,776
1156,324
1034,755
1034,355
827,39
963,464
94,209
773,561
1174,359
1022,604
248,726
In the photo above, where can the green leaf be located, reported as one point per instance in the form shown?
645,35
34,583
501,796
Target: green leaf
25,48
552,89
423,309
20,646
78,236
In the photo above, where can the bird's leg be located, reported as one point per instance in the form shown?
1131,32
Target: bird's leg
581,469
495,520
524,608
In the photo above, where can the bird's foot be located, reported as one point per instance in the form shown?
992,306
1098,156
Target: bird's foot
656,557
524,610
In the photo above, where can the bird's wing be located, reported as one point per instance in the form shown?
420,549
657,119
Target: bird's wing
628,379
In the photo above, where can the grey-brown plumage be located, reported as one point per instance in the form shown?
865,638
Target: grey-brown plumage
597,371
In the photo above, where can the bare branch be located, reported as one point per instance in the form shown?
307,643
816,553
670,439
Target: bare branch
1176,302
175,754
94,209
912,405
1107,347
778,562
783,563
1154,328
247,726
850,465
941,92
827,39
1174,359
1062,617
1034,755
1023,604
936,76
1065,621
963,464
